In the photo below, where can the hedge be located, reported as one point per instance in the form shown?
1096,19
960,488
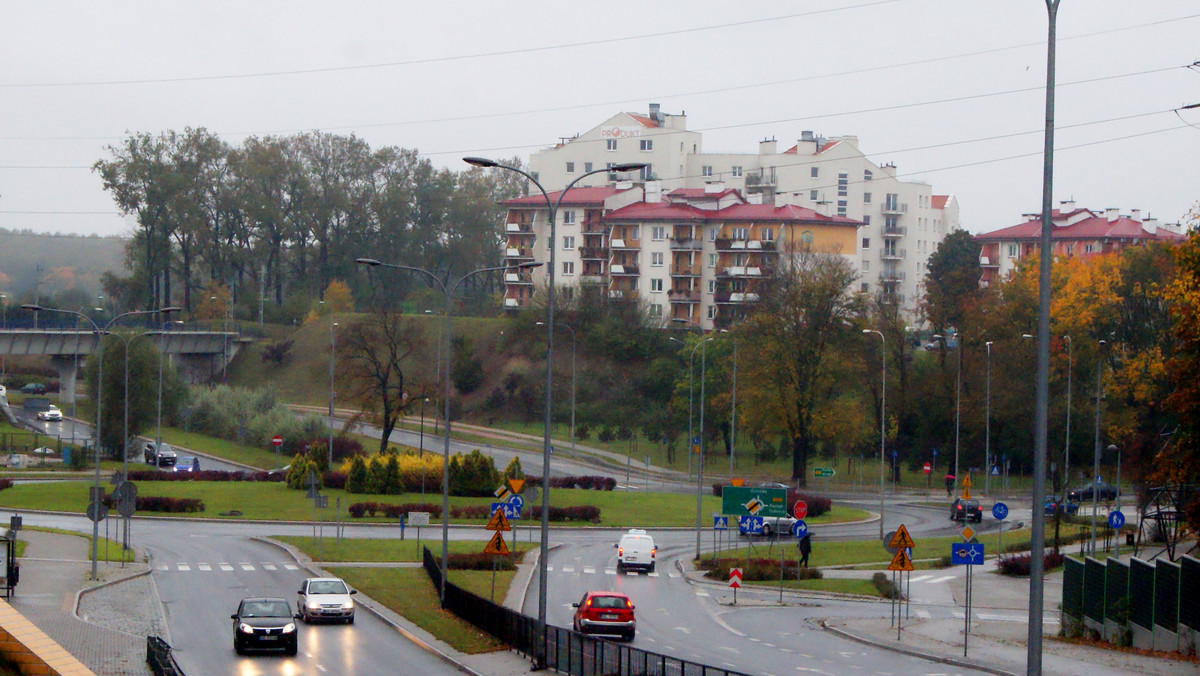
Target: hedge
203,475
359,510
757,570
591,482
152,503
1018,565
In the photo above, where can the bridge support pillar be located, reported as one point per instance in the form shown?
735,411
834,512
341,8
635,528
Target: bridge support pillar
68,372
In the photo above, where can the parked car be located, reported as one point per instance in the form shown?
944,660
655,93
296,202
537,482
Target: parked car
326,598
772,525
605,612
162,455
636,550
187,463
51,414
966,509
33,388
1059,505
43,451
1106,492
264,624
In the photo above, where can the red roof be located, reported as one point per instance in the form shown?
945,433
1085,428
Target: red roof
644,120
939,201
700,193
1093,227
827,146
577,196
668,211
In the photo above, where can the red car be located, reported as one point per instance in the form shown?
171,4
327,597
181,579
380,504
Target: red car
603,612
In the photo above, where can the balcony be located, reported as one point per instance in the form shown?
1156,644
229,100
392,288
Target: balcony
758,179
894,208
517,278
741,271
729,244
894,231
512,303
892,254
891,277
622,294
686,244
593,253
683,296
594,227
985,262
736,297
685,271
623,270
518,252
518,228
626,244
591,279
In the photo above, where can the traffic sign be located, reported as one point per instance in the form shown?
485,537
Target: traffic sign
800,509
276,440
928,468
496,545
756,500
901,561
967,533
516,485
966,553
735,577
502,492
498,521
1000,511
720,522
517,501
418,518
695,441
823,472
995,470
508,509
901,538
1116,519
97,511
737,482
800,529
967,481
750,524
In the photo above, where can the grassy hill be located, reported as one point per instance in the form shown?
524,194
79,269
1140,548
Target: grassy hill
66,261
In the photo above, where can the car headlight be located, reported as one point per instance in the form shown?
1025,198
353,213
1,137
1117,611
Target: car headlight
289,627
313,605
348,605
245,628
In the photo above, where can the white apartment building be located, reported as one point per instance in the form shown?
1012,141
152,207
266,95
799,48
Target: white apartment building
903,221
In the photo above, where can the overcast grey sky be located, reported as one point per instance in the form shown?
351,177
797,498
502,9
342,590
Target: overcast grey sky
950,91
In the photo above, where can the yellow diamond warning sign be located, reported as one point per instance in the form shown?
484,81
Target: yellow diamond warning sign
901,539
968,533
967,481
899,562
498,522
496,545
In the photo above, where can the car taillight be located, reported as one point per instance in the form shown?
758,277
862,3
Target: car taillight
628,604
653,551
620,551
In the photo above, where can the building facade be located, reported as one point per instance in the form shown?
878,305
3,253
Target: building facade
1077,233
693,254
902,221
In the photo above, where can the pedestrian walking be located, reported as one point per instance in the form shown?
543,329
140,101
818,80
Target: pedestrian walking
805,549
949,485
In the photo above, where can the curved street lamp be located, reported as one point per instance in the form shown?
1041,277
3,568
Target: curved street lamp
882,416
958,345
449,293
552,205
100,332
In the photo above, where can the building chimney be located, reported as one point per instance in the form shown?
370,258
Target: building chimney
1150,225
655,112
1111,214
767,147
713,187
1066,206
653,192
1136,214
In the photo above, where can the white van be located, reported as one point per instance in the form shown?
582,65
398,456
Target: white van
636,551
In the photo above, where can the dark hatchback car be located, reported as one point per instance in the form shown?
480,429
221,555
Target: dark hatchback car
264,624
965,509
1106,493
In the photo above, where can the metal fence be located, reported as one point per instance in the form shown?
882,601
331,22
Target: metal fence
1141,587
564,650
160,659
1093,584
1150,597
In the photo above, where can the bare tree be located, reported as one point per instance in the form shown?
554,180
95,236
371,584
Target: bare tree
374,353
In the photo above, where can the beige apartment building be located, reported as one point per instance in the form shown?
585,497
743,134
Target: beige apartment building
902,221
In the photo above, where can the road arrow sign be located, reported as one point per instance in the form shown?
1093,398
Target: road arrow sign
735,577
507,509
750,524
496,545
901,561
800,529
517,501
498,522
901,539
823,472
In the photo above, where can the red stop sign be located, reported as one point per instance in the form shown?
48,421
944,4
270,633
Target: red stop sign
928,468
276,440
800,509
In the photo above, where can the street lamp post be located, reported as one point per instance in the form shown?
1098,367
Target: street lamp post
448,291
1067,443
987,426
332,346
733,411
421,454
1096,460
568,327
100,332
1117,532
882,416
957,398
552,207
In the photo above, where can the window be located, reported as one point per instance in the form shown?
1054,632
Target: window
1014,251
610,145
646,144
740,233
656,285
814,172
655,310
587,166
866,198
570,167
1089,248
865,288
710,311
656,259
658,233
712,286
569,217
812,195
736,171
866,266
706,170
712,260
767,234
866,243
843,183
841,207
569,242
647,173
866,220
867,175
1070,249
712,234
568,292
568,267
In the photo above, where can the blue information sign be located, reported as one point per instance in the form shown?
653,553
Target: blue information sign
720,522
995,470
966,553
1000,511
508,509
695,441
1116,519
800,529
517,501
750,524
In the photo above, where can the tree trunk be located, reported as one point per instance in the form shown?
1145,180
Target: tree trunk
800,448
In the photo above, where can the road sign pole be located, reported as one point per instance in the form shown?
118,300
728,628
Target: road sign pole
967,615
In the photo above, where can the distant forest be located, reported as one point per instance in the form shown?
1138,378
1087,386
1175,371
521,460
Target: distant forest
66,270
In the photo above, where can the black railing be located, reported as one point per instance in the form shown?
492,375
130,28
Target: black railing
564,650
160,659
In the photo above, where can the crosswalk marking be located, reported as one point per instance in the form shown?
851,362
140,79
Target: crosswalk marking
246,565
183,567
942,579
568,569
204,567
701,593
291,566
652,574
610,571
919,578
163,566
268,566
589,571
922,613
225,567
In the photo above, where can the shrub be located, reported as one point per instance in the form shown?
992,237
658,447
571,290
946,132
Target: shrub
360,509
150,503
473,474
757,570
884,584
278,352
1018,565
481,561
591,482
578,513
5,483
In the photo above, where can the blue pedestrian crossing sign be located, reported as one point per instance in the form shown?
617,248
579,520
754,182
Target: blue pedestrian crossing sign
966,553
720,522
995,470
1116,519
750,524
695,441
800,529
1000,511
510,510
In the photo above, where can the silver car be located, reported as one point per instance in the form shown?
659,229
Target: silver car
326,598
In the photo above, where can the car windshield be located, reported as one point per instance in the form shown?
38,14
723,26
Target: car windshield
327,587
266,609
608,602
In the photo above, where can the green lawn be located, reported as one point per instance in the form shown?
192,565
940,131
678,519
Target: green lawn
387,550
226,450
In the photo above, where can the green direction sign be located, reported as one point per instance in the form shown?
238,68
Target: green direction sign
823,472
742,500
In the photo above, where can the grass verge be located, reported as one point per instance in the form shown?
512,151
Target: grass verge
373,550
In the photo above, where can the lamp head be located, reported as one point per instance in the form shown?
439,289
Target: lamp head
31,306
368,261
528,264
1112,448
169,310
480,162
628,166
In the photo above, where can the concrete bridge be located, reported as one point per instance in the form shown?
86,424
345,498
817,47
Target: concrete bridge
197,355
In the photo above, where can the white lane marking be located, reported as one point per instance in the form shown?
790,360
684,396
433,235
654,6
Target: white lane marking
268,566
163,566
922,613
942,579
732,650
568,569
183,567
652,574
683,629
701,593
204,567
291,566
549,569
919,578
322,668
225,567
610,571
673,574
246,565
588,570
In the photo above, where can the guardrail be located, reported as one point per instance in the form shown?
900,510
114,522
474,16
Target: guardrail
160,659
563,650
